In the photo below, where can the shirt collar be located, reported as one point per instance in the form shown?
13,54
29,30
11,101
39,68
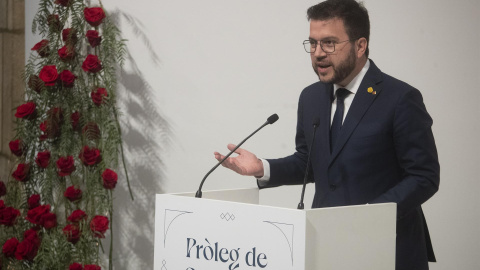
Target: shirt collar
355,83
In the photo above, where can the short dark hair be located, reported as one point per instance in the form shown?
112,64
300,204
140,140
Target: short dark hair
353,14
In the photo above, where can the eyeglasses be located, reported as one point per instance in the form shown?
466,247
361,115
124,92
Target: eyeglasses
328,46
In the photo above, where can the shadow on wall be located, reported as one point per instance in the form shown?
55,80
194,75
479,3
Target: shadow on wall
145,134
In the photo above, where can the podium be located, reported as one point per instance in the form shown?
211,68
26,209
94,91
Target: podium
228,230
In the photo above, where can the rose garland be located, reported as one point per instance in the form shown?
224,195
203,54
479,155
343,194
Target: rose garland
57,205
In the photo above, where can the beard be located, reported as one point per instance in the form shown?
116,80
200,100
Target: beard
341,70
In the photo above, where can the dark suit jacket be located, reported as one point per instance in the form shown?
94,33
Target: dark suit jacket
385,152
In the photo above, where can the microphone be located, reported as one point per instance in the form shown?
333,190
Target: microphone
270,120
316,123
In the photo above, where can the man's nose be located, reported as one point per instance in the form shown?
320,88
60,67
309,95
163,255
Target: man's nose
319,53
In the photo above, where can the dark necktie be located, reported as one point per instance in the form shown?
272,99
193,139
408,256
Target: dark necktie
341,94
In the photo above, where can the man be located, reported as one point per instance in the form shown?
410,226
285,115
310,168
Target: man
384,150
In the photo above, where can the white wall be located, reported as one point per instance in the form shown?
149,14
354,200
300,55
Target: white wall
206,73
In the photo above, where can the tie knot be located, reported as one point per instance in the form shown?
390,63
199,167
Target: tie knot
342,93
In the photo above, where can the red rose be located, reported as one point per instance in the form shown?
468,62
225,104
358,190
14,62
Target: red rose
64,3
65,165
41,215
37,214
99,225
66,53
16,147
92,267
67,78
26,111
2,205
93,38
33,201
10,247
49,220
35,83
8,215
90,156
75,118
40,45
94,16
22,172
28,248
3,189
73,194
98,96
77,216
72,232
75,266
31,235
91,131
69,36
49,75
43,158
54,22
92,64
26,251
109,179
42,48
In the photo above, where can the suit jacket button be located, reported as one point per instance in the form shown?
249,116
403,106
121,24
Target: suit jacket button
333,187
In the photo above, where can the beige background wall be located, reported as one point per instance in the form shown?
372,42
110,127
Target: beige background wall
12,59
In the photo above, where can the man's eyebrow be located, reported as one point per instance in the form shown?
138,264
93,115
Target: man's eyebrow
325,38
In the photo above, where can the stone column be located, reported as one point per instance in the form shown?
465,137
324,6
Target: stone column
12,63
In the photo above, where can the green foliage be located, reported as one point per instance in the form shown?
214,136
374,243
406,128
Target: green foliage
97,128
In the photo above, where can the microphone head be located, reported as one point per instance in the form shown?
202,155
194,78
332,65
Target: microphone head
316,121
272,119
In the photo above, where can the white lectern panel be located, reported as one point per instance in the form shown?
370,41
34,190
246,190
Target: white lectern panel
205,234
209,234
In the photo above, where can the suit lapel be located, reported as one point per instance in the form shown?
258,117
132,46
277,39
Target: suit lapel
321,106
362,101
324,111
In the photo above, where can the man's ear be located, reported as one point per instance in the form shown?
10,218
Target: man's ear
361,45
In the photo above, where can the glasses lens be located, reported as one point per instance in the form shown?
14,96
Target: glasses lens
328,46
309,46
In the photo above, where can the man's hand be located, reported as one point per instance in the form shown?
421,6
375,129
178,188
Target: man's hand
245,163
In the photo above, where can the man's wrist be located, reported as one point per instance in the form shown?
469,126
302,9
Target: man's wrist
266,171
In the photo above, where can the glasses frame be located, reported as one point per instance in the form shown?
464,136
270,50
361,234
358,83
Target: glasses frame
314,49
